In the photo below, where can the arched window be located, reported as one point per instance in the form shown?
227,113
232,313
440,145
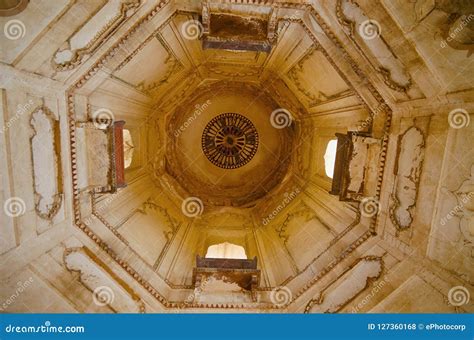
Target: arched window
226,250
330,157
127,148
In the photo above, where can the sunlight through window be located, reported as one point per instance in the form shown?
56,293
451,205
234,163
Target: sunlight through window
330,157
226,250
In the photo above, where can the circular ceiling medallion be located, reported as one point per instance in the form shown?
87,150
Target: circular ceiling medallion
229,140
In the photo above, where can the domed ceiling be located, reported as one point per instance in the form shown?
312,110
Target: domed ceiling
223,147
230,106
233,142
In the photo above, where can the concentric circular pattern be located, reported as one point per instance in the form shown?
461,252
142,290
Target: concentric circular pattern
229,140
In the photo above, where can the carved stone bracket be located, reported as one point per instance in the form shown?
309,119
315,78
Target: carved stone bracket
206,18
351,165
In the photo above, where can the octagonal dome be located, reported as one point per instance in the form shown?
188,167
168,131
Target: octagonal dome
217,185
334,174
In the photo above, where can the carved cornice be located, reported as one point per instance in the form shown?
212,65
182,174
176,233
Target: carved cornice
97,41
214,68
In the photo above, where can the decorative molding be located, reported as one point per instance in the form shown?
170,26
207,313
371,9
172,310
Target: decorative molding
348,285
172,65
407,172
304,160
296,71
304,211
46,161
388,80
293,75
148,204
127,9
206,18
464,209
171,222
296,108
272,34
213,68
96,276
97,214
190,80
384,72
229,140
